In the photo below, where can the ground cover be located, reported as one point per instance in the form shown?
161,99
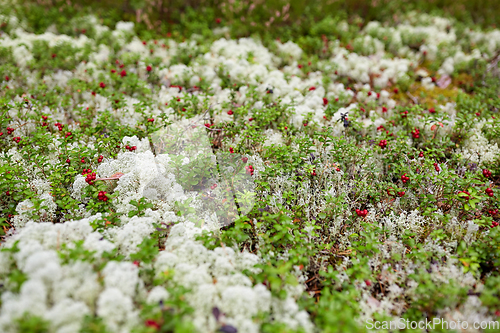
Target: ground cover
318,181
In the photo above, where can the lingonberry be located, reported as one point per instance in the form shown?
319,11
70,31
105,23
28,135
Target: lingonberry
90,177
123,73
489,191
249,169
102,196
486,173
466,197
432,110
231,150
149,68
68,160
230,112
402,193
405,178
102,85
244,159
325,101
382,143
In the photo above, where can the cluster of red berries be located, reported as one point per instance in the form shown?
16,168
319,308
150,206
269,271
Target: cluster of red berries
416,133
325,101
404,114
16,139
432,110
249,170
150,120
102,196
436,166
99,160
131,148
382,143
68,134
381,128
230,112
213,186
231,150
401,193
150,322
494,224
209,125
44,123
102,85
486,173
421,154
90,176
244,159
313,173
361,213
9,130
489,191
493,212
405,178
59,126
466,192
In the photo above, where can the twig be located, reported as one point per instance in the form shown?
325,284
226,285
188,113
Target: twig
414,99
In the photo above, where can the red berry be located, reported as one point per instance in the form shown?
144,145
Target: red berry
432,110
102,85
230,112
68,161
325,101
312,88
149,68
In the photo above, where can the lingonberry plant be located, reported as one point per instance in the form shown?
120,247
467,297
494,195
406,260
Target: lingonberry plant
201,180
